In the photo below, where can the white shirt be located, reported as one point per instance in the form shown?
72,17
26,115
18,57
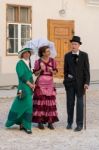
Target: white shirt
26,62
77,53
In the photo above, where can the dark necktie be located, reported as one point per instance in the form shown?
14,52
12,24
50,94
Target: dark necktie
75,58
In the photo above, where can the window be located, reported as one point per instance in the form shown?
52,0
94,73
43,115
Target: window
18,27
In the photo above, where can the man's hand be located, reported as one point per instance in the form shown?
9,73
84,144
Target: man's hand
86,86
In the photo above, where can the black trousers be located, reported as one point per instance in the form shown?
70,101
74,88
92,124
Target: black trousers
71,95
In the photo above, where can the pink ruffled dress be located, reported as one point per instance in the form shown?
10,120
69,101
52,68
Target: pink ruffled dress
44,98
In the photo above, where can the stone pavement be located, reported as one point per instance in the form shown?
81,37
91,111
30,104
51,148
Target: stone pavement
60,138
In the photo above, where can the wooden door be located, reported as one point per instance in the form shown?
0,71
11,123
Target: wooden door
60,32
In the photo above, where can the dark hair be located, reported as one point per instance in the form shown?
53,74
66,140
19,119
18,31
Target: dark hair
42,50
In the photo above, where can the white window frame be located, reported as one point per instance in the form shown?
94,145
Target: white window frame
19,35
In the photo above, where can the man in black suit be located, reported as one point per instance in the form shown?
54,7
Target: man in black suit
76,81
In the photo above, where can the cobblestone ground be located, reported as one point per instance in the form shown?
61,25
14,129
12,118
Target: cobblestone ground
58,139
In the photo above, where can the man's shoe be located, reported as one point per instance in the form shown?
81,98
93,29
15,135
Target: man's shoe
41,126
78,128
69,126
50,126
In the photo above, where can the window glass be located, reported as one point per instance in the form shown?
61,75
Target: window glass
18,27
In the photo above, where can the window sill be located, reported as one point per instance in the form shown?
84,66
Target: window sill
8,54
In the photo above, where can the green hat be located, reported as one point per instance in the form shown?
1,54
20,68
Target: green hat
25,50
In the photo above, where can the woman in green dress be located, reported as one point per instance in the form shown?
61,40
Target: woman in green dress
21,109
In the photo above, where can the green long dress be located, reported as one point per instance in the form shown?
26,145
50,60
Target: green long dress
21,109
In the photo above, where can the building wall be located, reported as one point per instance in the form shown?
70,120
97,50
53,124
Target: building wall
86,25
7,63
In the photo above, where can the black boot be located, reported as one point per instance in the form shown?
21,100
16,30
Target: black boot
50,126
41,126
26,130
21,127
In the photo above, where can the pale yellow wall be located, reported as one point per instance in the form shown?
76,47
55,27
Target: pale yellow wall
86,25
7,62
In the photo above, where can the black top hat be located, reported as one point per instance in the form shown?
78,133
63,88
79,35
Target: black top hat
76,39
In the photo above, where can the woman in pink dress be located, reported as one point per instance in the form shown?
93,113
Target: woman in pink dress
44,99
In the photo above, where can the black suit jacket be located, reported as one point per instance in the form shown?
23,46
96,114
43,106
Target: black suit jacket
80,72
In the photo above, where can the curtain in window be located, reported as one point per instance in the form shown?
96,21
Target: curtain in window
24,15
12,14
